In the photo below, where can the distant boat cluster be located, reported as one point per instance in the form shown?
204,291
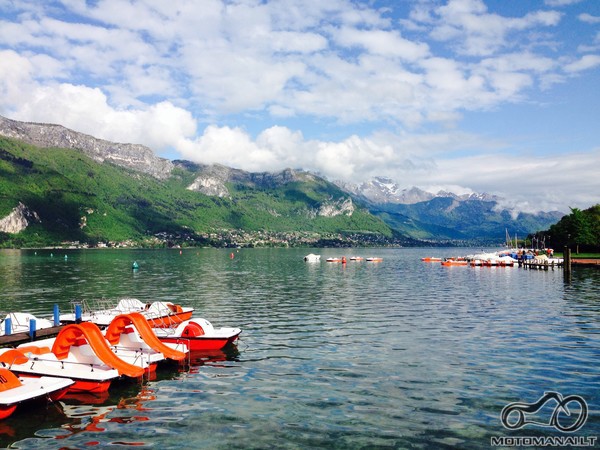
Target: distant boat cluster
311,257
505,258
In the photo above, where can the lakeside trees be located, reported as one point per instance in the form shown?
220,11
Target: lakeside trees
579,230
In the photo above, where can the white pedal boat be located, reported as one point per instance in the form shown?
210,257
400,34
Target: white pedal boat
198,335
15,390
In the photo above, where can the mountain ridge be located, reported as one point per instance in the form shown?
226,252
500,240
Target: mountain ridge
133,156
82,201
413,212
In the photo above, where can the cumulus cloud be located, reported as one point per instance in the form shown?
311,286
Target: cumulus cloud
558,3
475,31
521,178
584,63
15,77
87,110
588,18
216,81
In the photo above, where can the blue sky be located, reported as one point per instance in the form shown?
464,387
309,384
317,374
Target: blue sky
480,96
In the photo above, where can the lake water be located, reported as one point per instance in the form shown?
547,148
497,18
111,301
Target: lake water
395,354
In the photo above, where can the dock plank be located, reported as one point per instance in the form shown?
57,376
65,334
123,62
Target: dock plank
21,338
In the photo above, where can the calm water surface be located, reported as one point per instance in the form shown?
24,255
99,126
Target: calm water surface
396,354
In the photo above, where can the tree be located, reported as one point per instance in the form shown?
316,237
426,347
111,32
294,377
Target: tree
580,228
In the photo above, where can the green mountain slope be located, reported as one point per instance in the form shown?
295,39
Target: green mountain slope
78,199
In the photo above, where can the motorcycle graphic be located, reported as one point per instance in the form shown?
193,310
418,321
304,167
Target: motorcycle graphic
519,410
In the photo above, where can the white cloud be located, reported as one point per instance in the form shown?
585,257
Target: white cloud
382,42
393,90
413,160
588,18
159,126
471,29
230,146
555,183
558,3
334,60
15,78
584,63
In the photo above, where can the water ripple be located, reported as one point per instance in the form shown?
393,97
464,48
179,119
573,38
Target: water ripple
399,354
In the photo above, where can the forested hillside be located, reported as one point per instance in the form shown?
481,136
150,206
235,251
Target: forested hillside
70,198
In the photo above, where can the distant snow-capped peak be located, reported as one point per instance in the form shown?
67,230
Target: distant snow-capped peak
385,190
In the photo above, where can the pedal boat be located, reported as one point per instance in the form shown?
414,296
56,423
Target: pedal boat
79,352
455,262
15,391
158,314
133,339
336,260
198,335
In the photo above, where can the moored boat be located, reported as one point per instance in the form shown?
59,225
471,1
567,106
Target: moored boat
455,262
431,259
158,314
20,322
79,352
15,390
131,333
311,257
336,260
374,259
198,335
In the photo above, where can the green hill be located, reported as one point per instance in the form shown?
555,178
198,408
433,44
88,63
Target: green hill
74,198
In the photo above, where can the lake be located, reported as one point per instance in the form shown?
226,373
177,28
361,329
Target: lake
388,355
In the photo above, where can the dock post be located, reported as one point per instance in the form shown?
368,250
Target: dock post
32,327
56,315
567,263
77,313
7,326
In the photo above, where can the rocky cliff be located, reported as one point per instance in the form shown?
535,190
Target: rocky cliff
212,179
132,156
18,219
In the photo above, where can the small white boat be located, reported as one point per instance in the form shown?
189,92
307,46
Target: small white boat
198,335
337,260
311,257
158,314
15,390
21,323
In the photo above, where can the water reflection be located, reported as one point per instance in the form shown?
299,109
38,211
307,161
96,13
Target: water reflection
89,413
399,354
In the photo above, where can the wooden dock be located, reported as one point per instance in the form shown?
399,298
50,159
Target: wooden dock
15,339
540,265
586,262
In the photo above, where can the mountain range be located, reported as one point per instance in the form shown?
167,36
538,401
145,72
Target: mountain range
445,216
66,185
